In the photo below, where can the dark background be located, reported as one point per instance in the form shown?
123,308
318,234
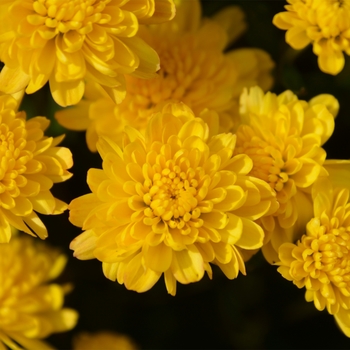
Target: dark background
258,311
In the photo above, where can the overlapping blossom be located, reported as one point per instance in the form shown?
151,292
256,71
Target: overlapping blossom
320,261
194,70
65,42
170,202
323,23
31,305
284,136
30,163
103,340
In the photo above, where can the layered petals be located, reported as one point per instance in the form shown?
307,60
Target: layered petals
170,202
30,165
65,42
195,69
320,260
284,136
324,24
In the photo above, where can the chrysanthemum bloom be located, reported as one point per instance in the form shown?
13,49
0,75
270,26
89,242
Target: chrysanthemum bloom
170,202
30,163
65,42
103,340
194,70
284,137
323,23
320,261
31,306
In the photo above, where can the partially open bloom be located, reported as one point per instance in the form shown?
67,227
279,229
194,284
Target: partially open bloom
320,261
194,70
30,163
324,23
65,42
103,340
31,306
284,137
170,202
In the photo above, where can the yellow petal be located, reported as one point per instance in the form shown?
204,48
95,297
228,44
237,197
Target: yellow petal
164,11
187,265
297,38
233,231
158,258
13,80
328,100
343,320
34,222
331,62
139,278
5,229
252,235
231,18
170,282
75,118
67,93
84,245
81,207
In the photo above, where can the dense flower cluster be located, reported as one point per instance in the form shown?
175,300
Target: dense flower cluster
194,70
324,23
320,261
202,166
170,202
66,42
31,306
30,164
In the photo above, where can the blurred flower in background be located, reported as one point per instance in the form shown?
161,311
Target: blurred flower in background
103,340
31,305
196,69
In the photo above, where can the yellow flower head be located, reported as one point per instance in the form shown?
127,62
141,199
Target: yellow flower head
284,137
170,202
30,163
324,23
31,306
103,340
67,41
194,70
320,261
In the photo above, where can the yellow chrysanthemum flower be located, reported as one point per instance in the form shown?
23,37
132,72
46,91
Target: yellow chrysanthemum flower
30,163
284,137
170,202
31,306
65,42
320,261
103,340
324,23
194,70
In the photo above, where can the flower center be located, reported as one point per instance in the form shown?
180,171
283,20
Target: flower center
172,197
64,15
332,255
268,163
